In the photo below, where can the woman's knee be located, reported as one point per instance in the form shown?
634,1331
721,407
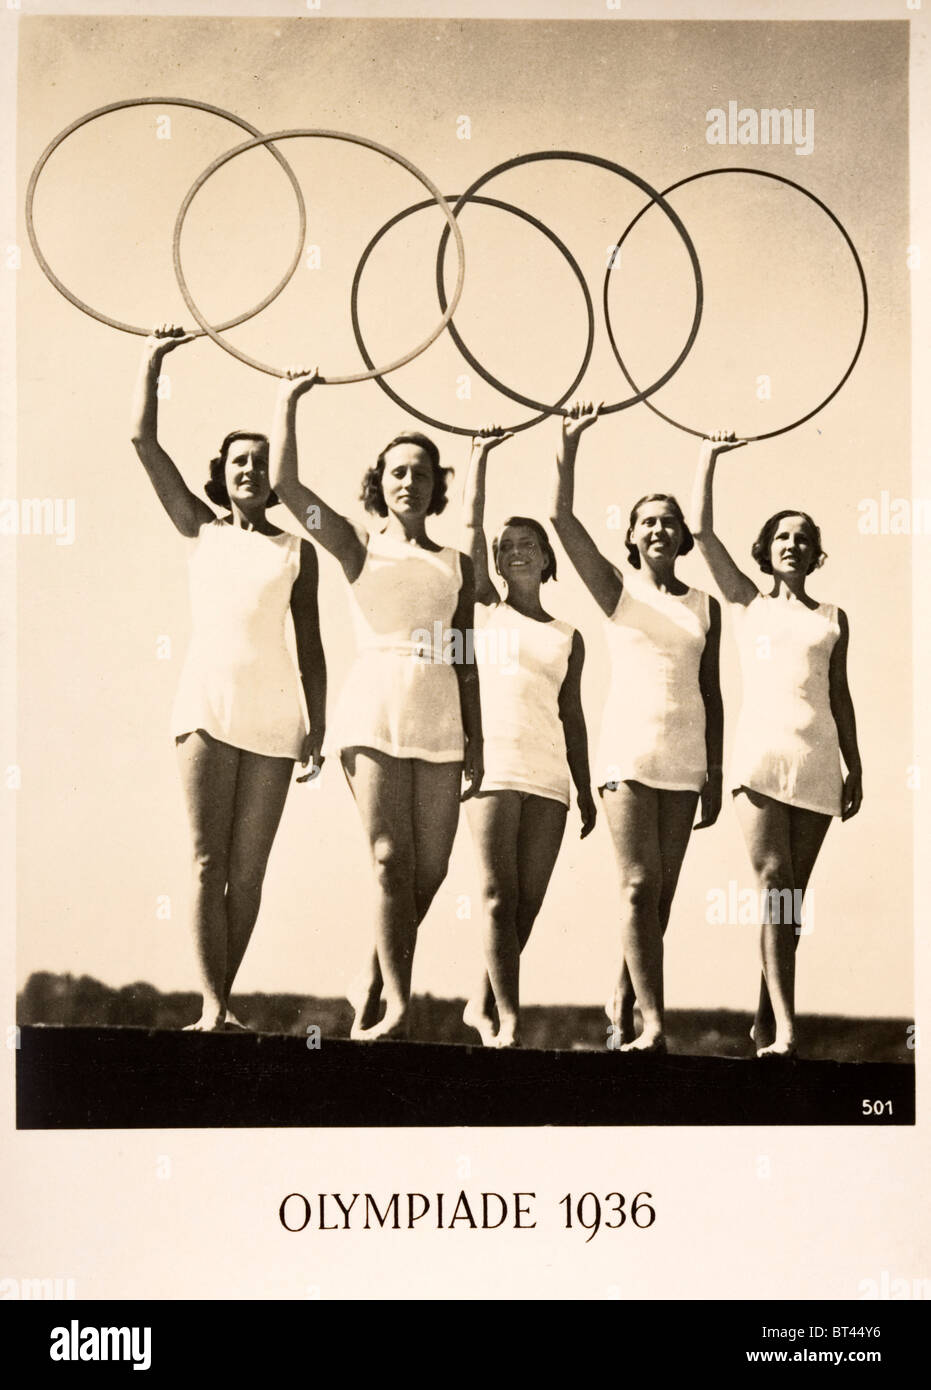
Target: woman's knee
772,869
500,897
211,868
640,888
245,878
394,864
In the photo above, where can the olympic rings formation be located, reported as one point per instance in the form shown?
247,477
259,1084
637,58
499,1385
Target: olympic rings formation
471,195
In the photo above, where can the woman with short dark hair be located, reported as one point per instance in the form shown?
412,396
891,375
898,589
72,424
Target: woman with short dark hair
530,676
238,722
662,728
409,723
796,722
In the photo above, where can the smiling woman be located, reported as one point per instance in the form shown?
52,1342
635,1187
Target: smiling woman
237,718
662,729
796,722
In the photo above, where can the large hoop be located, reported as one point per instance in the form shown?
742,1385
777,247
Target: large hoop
778,178
316,134
654,196
429,419
156,101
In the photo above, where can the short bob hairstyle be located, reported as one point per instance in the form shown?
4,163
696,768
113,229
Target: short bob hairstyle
688,540
762,546
549,569
372,494
215,486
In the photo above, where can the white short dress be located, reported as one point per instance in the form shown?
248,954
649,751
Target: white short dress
786,744
401,696
522,664
240,683
653,728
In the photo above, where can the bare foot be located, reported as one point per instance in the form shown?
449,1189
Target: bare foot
647,1042
231,1024
484,1024
757,1034
508,1030
212,1022
780,1048
622,1022
392,1028
366,1006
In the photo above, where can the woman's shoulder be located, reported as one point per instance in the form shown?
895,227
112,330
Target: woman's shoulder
702,602
833,615
566,630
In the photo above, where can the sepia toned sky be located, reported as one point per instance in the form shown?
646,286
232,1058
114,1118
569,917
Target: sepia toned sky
102,830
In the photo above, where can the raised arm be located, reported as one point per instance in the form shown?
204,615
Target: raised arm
185,508
597,574
474,512
310,656
709,683
733,583
467,676
573,722
335,532
844,718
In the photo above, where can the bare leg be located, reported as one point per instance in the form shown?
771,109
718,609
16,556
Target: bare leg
676,818
632,812
807,830
765,826
494,820
383,790
436,819
261,790
208,776
542,825
364,992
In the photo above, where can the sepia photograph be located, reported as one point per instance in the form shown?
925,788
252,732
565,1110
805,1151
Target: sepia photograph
463,529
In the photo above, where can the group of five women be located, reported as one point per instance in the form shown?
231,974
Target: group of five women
416,718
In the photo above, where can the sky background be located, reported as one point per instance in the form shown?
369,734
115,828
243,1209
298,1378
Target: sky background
102,828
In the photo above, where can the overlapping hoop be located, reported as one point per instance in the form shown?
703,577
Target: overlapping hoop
778,178
451,214
156,101
390,391
309,132
655,197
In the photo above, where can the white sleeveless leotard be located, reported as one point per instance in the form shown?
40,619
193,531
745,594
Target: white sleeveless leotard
522,664
239,682
402,694
786,744
653,728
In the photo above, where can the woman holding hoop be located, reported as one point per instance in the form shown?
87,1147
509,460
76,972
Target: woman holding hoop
796,721
662,729
238,722
530,673
410,719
